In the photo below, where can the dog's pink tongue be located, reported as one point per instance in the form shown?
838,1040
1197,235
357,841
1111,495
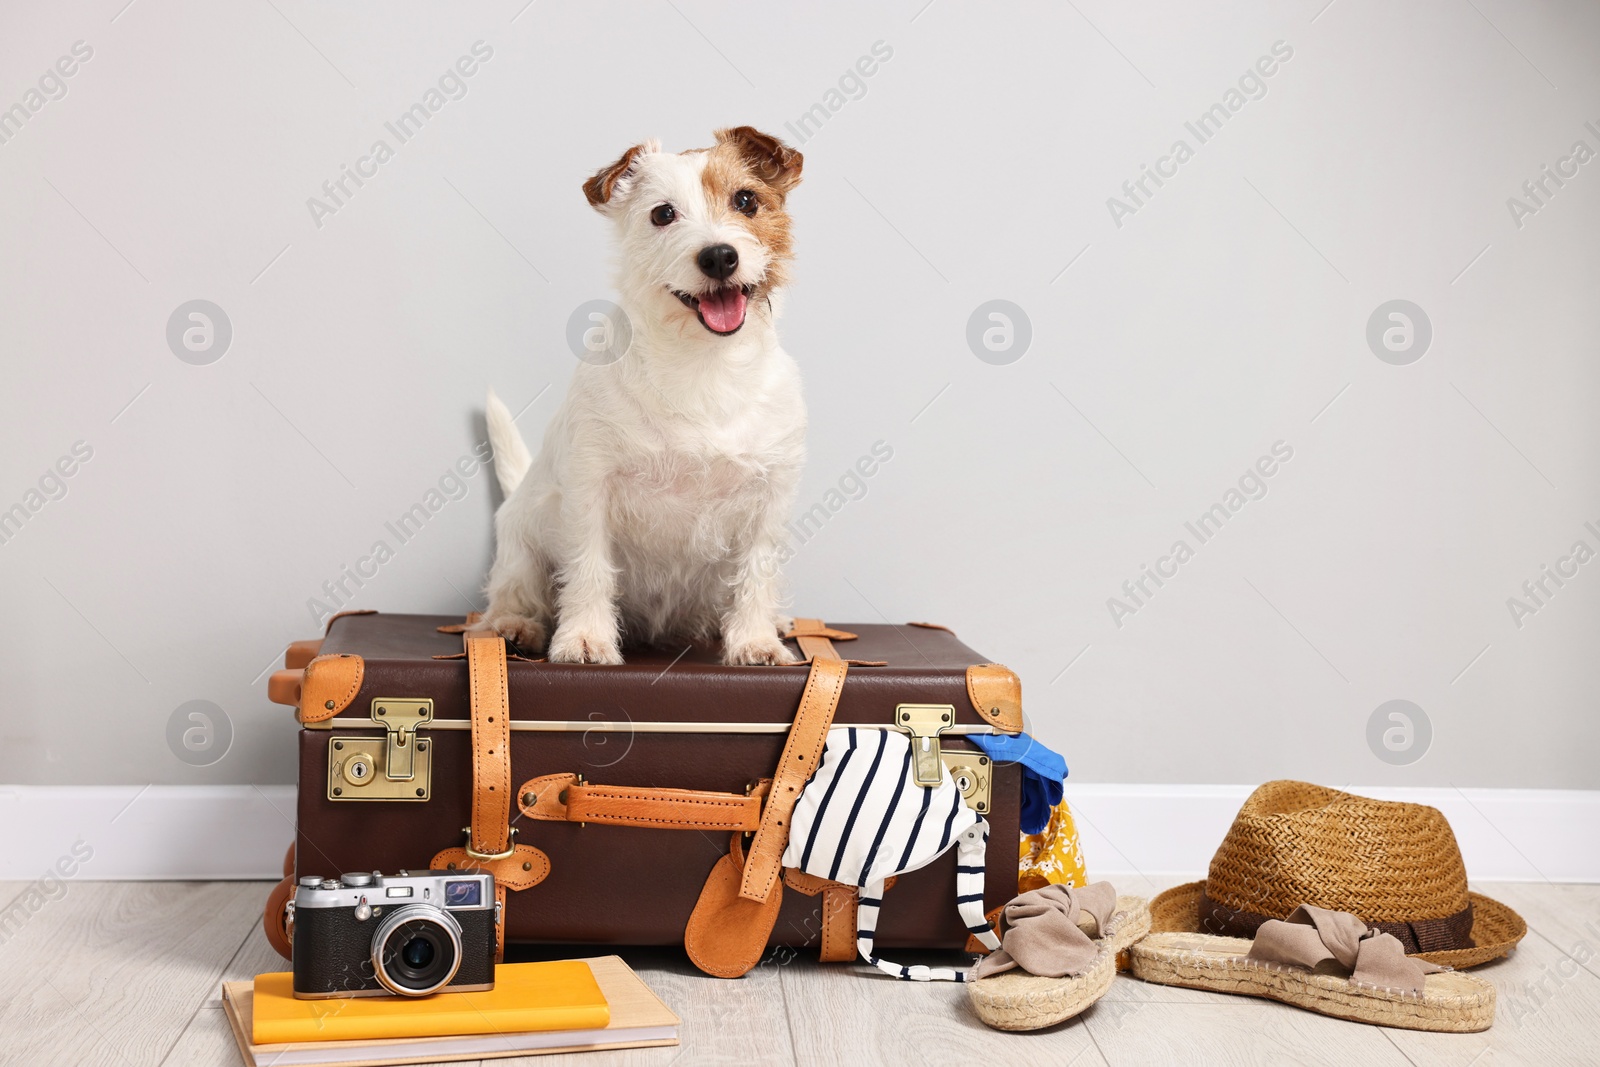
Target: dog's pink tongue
724,309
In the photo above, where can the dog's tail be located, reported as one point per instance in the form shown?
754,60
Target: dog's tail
511,457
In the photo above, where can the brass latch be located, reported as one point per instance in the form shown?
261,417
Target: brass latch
401,717
396,766
925,722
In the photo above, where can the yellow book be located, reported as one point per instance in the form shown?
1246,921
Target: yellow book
526,998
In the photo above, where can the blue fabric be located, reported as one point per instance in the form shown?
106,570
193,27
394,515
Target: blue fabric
1042,774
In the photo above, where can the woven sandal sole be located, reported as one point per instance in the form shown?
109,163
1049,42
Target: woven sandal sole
1019,1001
1450,1002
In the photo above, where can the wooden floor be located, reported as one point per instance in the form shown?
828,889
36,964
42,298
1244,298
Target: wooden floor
126,974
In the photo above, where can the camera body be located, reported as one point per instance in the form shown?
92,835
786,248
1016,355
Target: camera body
373,935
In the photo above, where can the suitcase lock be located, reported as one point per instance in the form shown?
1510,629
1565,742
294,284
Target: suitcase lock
969,770
395,767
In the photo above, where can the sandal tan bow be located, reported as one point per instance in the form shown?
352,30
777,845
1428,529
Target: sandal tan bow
1058,954
1314,937
1329,962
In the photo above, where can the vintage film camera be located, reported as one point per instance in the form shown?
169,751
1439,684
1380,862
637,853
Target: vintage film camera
372,935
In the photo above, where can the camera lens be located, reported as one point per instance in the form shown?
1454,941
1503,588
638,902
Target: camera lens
416,950
418,953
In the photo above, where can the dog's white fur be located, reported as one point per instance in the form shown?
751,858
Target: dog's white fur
656,507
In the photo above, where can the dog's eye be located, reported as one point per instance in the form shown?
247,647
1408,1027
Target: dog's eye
745,201
662,214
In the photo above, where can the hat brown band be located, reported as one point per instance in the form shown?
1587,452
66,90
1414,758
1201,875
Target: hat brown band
1420,935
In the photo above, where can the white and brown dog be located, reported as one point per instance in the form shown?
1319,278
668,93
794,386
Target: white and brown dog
656,508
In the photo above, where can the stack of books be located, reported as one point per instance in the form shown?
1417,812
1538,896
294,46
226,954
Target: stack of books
534,1008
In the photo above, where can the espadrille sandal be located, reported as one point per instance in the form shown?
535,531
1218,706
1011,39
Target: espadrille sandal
1329,962
1058,954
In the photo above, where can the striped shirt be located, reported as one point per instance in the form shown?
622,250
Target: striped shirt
863,818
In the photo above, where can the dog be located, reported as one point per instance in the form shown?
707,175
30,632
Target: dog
655,509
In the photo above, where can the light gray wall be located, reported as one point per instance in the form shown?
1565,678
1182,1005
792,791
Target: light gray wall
1171,347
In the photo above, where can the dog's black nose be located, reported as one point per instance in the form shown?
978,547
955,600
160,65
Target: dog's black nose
719,261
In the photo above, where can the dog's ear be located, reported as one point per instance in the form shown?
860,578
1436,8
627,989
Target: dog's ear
773,161
612,181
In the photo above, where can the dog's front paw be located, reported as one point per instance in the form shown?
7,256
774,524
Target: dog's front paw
762,652
785,624
519,630
573,645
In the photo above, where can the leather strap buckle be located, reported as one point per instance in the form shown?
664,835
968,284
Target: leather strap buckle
490,857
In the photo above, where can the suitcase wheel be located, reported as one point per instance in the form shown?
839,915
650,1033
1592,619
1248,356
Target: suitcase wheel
273,919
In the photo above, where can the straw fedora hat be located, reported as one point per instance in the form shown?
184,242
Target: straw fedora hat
1394,865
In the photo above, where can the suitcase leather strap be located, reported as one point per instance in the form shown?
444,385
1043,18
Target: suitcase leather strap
838,912
489,837
738,906
816,639
489,844
568,798
802,752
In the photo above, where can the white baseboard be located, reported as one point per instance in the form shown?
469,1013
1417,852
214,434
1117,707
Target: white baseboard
157,833
239,832
1506,835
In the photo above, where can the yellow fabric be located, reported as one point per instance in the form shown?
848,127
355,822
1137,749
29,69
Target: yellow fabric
559,995
1054,857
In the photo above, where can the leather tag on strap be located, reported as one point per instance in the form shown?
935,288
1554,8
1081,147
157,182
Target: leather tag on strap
801,754
524,868
491,742
727,933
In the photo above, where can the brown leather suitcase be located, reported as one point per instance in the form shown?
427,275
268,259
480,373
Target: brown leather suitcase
629,783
